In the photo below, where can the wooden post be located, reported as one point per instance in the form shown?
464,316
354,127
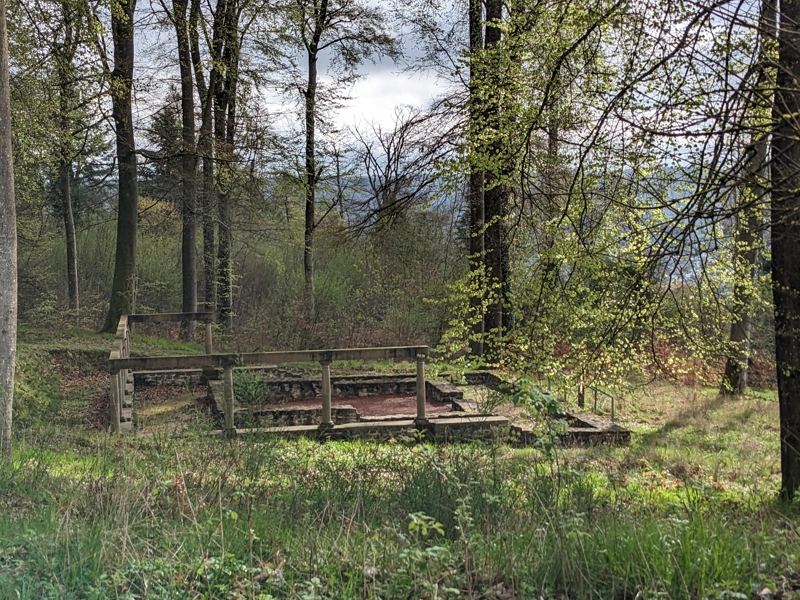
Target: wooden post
209,339
327,421
421,390
114,404
228,398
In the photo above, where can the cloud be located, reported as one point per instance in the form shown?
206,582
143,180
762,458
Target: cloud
375,96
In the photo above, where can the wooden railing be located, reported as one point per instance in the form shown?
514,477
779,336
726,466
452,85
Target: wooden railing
121,402
121,366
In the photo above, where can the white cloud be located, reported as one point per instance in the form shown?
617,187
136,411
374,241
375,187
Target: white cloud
376,95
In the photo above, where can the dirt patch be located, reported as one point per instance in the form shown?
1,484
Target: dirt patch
373,406
168,407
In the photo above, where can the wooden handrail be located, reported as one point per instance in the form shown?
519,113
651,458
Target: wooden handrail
120,363
170,363
205,317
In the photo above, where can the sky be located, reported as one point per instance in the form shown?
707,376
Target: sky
374,99
376,96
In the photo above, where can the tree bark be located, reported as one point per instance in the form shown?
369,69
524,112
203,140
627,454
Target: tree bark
66,91
224,133
205,149
188,168
123,290
65,189
785,218
310,93
8,250
476,181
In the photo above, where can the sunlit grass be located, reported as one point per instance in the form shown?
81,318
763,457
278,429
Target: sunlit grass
688,510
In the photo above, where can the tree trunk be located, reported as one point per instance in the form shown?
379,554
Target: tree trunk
494,198
785,217
224,132
311,182
8,250
65,188
66,91
749,223
476,182
319,20
188,168
123,290
205,149
748,243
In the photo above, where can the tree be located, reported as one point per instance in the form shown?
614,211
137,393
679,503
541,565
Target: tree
749,220
8,250
68,109
123,290
785,219
64,55
178,17
354,31
477,177
224,139
399,166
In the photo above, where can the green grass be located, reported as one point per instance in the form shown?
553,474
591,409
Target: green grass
163,517
686,511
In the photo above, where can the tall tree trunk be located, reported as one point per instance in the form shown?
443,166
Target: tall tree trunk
65,189
224,132
319,23
66,91
311,182
188,168
748,244
8,250
785,218
476,180
495,194
749,221
123,290
205,149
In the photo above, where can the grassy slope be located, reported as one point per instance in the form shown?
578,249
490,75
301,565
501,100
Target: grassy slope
686,511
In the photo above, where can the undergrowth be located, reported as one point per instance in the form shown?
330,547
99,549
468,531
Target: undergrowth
197,517
686,511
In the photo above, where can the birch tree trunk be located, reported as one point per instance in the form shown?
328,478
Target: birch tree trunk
8,250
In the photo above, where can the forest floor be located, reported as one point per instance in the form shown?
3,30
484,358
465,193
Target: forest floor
687,510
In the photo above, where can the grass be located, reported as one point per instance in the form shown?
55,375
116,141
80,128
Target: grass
693,432
686,511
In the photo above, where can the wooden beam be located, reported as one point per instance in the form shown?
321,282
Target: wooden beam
206,317
170,363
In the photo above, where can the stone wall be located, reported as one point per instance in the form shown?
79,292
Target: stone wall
294,415
282,390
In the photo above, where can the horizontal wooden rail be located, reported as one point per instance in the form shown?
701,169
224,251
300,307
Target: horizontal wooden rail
226,361
205,317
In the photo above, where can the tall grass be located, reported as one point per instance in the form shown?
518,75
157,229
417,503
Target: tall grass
196,517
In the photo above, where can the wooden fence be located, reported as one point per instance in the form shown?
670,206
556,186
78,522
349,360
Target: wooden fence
122,366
